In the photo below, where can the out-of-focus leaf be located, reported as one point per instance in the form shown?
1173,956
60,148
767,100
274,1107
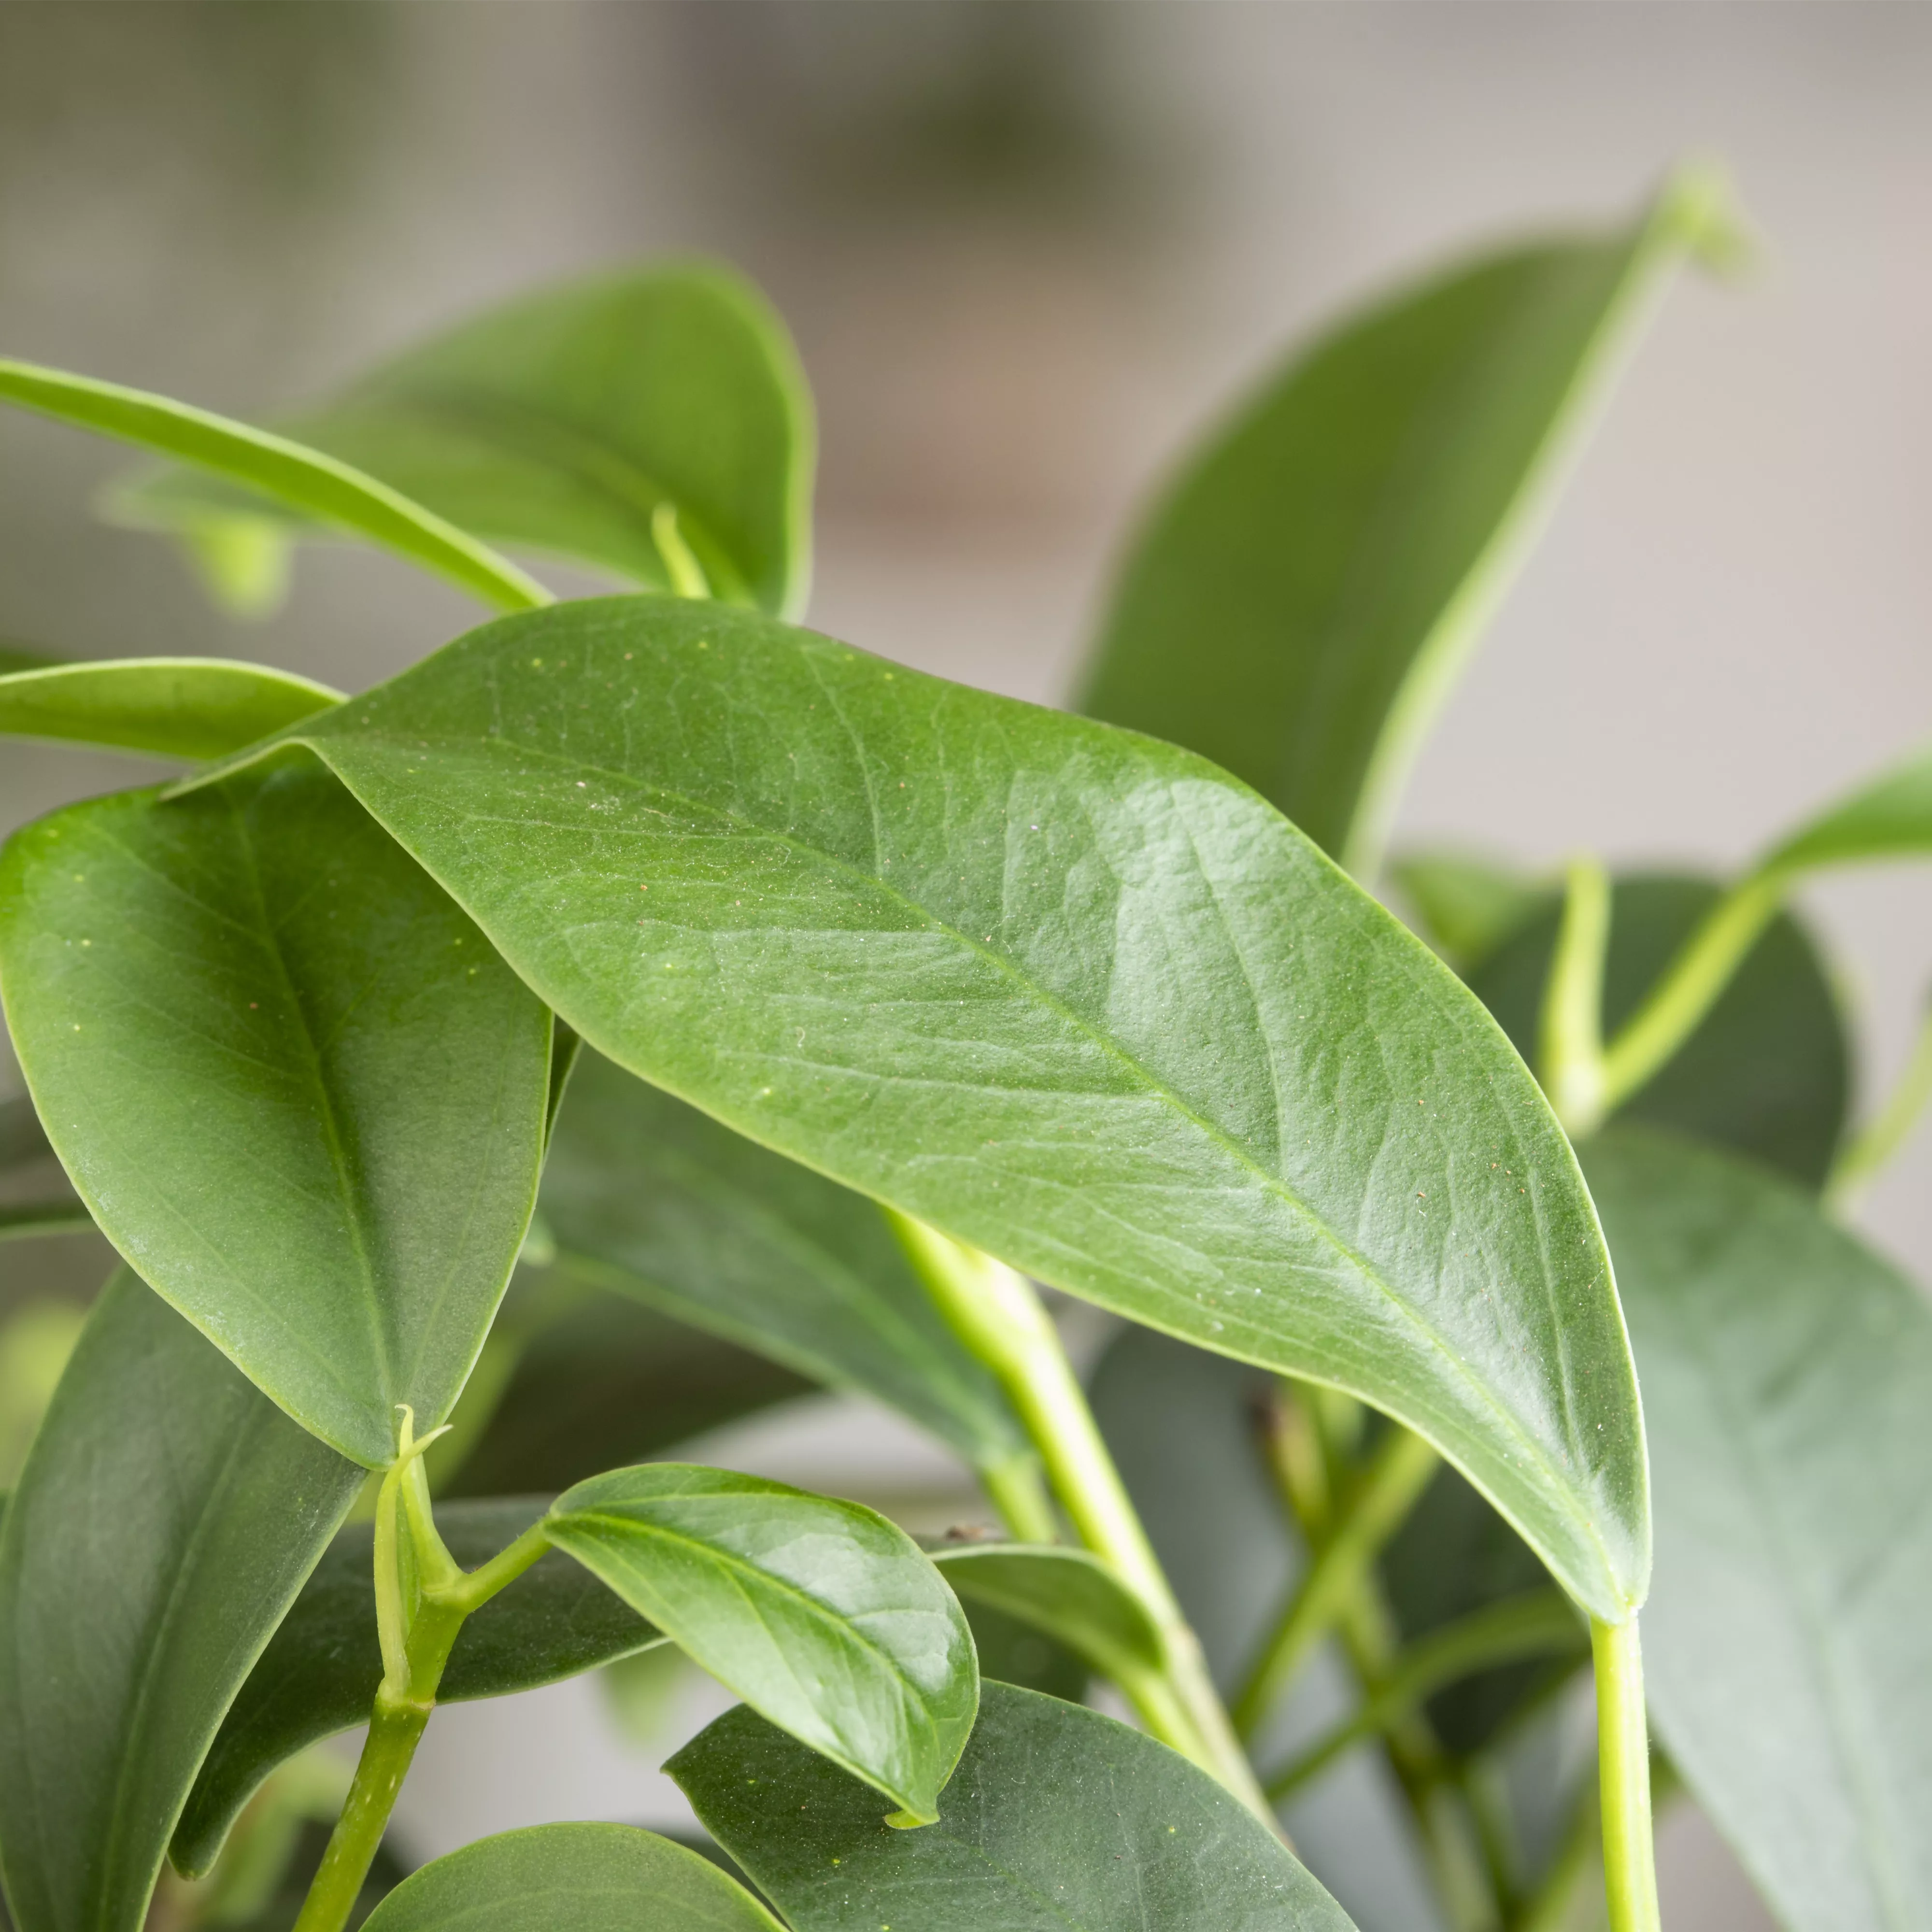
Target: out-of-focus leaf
1787,1383
319,1674
167,1515
564,421
1302,598
650,1197
36,1341
168,707
571,1878
1890,818
1018,1652
1466,906
1057,1817
821,1614
303,479
1767,1071
1066,993
291,1081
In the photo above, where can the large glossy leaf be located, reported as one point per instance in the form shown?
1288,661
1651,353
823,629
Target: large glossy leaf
167,1515
1057,1818
1787,1379
1063,991
1767,1071
563,421
291,1081
319,1674
821,1614
571,1878
303,479
170,707
1301,599
651,1197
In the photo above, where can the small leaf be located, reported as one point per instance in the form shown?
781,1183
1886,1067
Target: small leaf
1057,1817
1890,818
1299,603
168,707
319,1674
290,1080
571,1878
650,1197
1768,1071
564,421
821,1614
1067,994
1466,906
303,479
167,1515
1787,1383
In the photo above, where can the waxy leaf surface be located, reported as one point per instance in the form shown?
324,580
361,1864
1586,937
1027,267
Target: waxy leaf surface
1787,1380
1066,993
649,1197
560,422
571,1878
167,1515
291,1081
821,1614
1301,599
1057,1818
319,1674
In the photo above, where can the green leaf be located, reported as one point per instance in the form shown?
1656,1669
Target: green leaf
319,1674
1300,601
1064,992
306,480
561,423
1466,905
290,1080
821,1614
571,1878
167,1515
169,707
1787,1382
1069,1594
1890,818
650,1197
1057,1817
1767,1070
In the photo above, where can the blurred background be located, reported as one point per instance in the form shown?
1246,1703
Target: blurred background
1025,248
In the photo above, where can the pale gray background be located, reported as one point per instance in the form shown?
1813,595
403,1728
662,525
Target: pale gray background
1024,248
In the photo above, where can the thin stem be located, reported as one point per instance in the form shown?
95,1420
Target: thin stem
472,1592
686,573
1872,1147
1690,986
1394,1478
395,1730
1572,1043
1016,1487
995,1312
1623,1779
1547,1909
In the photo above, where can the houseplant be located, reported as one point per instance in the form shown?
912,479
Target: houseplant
790,1015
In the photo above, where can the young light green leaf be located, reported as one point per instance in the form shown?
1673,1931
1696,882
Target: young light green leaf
1057,1817
1890,818
821,1614
290,1080
1466,906
306,480
1767,1070
571,1878
650,1197
565,421
1300,601
1070,994
319,1674
168,707
1071,1595
1787,1380
167,1515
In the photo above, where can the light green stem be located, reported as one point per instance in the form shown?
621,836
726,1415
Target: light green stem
1870,1149
1396,1476
1623,1779
1016,1488
1572,1037
995,1312
395,1730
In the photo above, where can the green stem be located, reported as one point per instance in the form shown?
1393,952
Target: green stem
395,1730
1870,1149
1572,1042
1394,1478
1623,1779
1017,1488
1690,986
995,1312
